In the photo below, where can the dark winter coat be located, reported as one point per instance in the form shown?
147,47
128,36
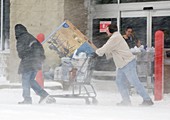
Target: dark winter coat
29,49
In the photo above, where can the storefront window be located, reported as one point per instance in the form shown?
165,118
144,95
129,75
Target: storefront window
99,36
99,39
162,23
138,24
128,1
105,1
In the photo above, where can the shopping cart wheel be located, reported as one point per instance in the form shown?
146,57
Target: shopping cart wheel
87,101
94,101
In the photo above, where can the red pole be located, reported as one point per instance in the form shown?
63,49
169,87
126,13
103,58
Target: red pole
39,77
159,58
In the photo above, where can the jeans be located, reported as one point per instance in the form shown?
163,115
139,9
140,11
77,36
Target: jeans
28,81
129,73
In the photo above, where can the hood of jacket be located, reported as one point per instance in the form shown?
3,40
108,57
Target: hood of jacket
19,30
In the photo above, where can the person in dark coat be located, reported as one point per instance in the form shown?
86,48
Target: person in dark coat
31,53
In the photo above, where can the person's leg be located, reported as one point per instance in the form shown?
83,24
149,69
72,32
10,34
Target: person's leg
122,86
44,96
131,74
36,87
26,88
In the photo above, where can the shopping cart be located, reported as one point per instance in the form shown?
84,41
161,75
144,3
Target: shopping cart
145,66
78,73
65,40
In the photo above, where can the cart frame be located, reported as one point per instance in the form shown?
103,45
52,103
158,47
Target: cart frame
90,92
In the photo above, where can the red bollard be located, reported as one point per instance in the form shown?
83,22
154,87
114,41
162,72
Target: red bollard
159,65
40,37
39,77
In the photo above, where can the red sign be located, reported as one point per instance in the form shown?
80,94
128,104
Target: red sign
103,25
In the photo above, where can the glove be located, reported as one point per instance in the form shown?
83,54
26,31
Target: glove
94,55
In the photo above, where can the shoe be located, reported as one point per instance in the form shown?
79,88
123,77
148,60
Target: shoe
48,99
42,99
25,102
124,104
147,103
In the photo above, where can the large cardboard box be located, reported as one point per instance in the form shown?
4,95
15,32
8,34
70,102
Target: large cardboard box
66,38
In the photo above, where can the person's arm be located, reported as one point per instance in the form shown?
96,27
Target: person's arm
22,49
107,47
38,50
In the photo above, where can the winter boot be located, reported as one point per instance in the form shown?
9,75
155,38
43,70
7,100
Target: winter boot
25,102
48,99
147,103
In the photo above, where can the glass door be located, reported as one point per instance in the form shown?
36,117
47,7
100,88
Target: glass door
161,21
138,21
146,23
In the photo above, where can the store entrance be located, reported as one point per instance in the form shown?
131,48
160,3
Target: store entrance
145,23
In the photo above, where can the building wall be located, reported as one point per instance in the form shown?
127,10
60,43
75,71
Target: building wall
77,12
43,16
39,16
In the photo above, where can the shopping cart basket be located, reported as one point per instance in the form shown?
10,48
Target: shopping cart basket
80,79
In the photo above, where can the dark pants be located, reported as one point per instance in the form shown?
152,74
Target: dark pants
28,81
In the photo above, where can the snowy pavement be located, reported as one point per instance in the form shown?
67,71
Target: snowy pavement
76,109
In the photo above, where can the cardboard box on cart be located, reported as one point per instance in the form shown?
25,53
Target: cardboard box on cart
64,40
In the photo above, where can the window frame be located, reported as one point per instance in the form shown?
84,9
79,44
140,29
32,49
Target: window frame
4,35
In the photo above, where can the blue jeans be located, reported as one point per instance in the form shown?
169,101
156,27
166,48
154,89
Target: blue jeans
28,81
129,73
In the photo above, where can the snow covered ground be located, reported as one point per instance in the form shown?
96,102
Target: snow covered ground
76,109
